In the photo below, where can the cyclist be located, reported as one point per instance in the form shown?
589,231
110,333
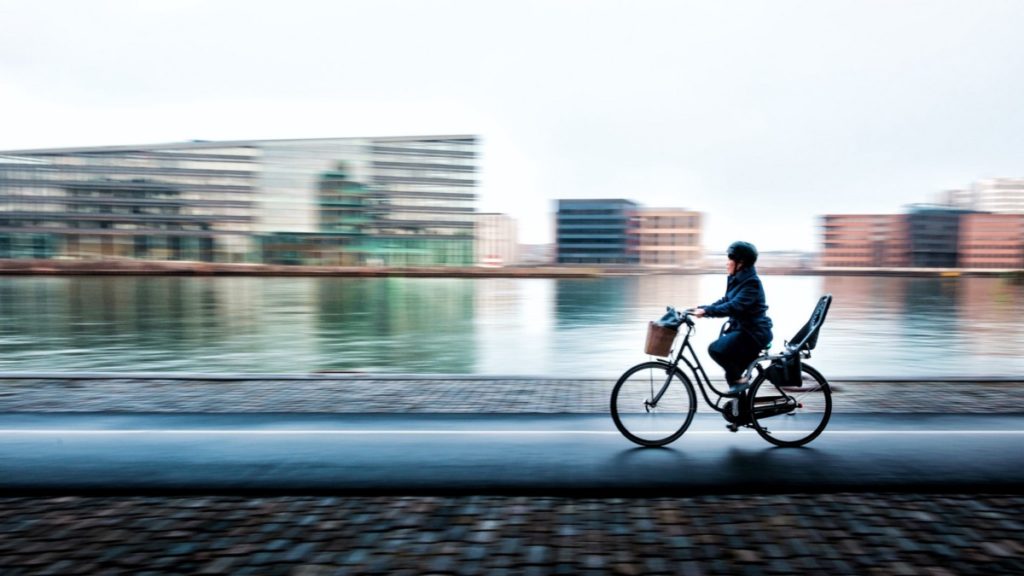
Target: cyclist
750,330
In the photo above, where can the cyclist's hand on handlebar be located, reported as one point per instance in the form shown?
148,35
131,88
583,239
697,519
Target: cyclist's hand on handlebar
698,312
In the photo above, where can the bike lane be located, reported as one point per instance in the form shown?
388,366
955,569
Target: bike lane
495,454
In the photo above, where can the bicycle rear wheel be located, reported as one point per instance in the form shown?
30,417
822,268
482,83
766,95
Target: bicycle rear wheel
639,417
791,415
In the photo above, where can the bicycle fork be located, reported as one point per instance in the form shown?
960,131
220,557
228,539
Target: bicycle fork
653,402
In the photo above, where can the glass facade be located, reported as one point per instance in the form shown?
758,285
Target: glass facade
341,201
159,203
594,232
934,236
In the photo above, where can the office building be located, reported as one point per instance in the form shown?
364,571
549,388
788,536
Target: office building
497,240
992,241
997,195
397,201
168,203
927,236
865,240
666,237
594,231
933,234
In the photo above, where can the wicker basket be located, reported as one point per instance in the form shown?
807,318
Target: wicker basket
659,339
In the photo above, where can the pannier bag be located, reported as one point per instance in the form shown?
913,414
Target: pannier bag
659,339
786,371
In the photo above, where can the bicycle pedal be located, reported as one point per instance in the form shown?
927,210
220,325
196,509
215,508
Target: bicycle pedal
733,427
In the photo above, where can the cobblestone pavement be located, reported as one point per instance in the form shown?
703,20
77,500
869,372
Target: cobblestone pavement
361,394
834,534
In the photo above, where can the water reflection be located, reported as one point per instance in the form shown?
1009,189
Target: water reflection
989,315
580,303
395,324
514,326
934,326
577,327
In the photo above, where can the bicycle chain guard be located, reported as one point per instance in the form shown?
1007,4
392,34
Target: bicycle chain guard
743,416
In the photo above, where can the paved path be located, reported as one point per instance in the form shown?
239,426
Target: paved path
495,454
340,393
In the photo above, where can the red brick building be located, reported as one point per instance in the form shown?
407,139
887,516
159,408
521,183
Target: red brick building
865,240
992,241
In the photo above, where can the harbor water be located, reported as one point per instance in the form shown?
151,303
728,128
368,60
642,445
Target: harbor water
878,326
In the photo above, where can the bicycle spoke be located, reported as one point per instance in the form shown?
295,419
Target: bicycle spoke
647,424
791,415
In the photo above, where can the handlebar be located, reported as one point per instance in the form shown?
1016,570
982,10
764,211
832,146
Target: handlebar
687,316
675,317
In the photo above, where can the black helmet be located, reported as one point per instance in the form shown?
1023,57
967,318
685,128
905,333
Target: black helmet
743,252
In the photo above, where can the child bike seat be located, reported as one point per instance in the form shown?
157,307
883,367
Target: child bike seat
807,337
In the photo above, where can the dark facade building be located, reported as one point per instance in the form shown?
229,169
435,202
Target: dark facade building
595,231
933,233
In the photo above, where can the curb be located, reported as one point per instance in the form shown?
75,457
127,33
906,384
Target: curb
242,376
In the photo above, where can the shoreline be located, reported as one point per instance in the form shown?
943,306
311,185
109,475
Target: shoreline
357,376
179,268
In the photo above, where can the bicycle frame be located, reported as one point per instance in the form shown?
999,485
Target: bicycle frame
700,375
696,368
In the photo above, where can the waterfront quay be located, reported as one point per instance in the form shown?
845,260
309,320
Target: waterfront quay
217,533
380,393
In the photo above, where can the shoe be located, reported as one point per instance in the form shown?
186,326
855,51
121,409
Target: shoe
739,385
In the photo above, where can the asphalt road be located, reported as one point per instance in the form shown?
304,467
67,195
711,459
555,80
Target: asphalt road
494,454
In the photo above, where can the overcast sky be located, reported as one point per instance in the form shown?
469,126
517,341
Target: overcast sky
761,114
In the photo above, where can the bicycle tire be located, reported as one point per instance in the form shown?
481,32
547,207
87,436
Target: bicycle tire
790,416
659,425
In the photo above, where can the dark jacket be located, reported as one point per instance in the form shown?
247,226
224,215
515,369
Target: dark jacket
744,304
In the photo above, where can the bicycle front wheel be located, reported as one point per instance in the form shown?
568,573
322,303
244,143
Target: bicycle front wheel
645,418
791,415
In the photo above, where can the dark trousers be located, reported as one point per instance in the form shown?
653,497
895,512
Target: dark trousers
734,351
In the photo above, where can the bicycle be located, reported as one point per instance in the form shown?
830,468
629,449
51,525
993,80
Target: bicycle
788,403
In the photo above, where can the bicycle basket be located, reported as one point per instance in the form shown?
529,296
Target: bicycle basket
786,371
659,339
